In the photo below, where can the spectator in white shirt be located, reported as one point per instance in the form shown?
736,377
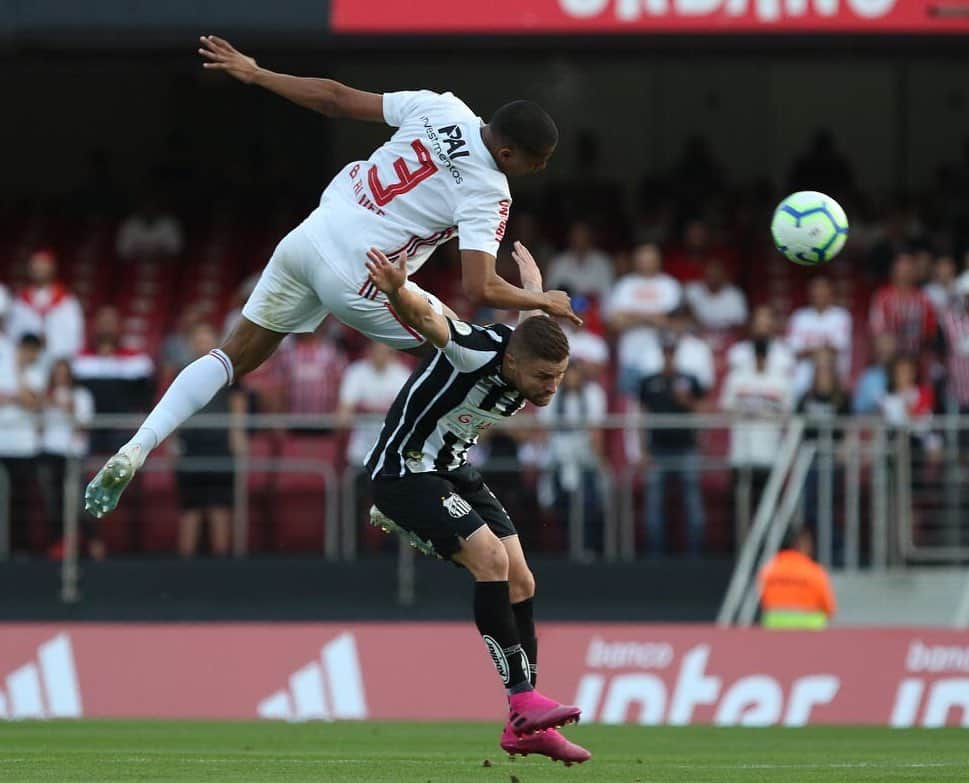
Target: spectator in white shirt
149,235
68,409
21,390
820,325
369,388
47,309
693,355
759,398
639,305
716,302
763,326
585,345
576,446
582,268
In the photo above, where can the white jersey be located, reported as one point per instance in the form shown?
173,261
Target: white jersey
760,400
433,179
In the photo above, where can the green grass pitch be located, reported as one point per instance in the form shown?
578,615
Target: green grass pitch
108,751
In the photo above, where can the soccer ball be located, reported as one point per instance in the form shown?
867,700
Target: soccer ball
809,228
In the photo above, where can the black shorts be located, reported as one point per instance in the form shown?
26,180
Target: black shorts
198,490
442,507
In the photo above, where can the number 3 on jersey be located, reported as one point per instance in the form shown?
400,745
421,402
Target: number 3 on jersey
406,179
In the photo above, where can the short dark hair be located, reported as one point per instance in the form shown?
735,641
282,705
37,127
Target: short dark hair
31,340
539,337
526,125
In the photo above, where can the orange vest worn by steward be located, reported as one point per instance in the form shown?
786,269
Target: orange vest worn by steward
795,592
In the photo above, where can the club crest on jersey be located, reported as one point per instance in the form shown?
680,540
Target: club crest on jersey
456,506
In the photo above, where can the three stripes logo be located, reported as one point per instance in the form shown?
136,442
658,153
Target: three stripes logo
45,689
328,689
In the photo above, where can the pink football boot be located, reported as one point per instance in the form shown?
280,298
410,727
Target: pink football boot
530,711
548,742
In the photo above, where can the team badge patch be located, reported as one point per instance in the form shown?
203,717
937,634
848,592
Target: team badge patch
456,506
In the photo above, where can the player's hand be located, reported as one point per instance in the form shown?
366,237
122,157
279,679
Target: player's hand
223,56
387,275
531,275
558,304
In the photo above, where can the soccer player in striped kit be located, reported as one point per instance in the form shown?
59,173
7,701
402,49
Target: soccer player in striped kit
425,490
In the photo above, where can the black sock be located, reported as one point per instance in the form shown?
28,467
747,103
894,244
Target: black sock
496,623
525,620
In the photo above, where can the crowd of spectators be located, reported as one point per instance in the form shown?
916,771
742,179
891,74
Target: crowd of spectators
680,317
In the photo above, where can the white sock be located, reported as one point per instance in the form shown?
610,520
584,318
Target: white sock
191,391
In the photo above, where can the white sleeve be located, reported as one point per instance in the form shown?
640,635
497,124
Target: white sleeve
482,219
398,106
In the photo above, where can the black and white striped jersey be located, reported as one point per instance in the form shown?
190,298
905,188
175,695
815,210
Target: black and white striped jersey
454,395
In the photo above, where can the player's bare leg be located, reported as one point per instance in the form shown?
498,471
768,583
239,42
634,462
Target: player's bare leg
248,346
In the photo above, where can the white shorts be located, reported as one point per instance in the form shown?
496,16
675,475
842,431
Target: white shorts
298,289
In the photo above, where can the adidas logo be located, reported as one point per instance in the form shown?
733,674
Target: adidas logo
329,689
49,690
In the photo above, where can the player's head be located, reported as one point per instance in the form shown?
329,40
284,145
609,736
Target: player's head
523,137
536,359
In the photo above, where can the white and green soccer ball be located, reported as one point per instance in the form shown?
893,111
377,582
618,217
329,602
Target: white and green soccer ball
809,228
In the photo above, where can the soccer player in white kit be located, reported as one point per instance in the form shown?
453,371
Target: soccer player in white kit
443,173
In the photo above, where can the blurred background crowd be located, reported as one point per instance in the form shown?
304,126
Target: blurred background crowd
687,309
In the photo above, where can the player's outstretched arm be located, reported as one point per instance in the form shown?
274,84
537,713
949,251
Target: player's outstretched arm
483,285
326,96
413,309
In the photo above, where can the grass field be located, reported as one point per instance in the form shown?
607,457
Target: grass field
106,751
